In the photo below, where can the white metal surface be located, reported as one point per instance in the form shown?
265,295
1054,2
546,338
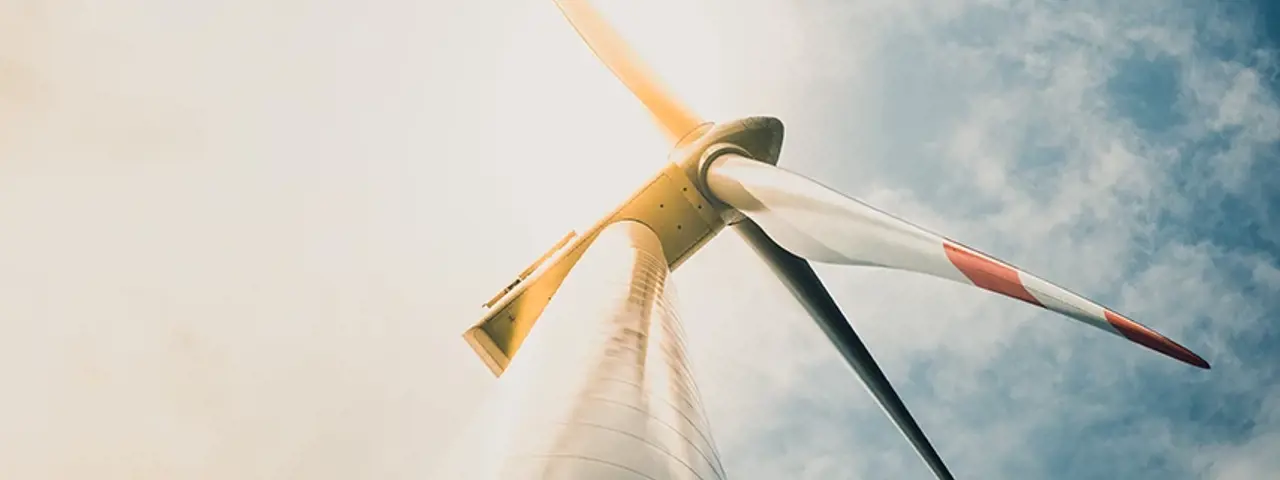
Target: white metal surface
602,388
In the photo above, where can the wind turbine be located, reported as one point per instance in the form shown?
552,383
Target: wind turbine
719,175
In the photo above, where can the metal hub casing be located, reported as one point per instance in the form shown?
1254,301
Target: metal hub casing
674,203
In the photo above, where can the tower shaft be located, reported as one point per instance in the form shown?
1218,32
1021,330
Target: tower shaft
602,387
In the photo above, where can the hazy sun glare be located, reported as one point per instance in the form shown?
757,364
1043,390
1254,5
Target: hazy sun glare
548,77
241,239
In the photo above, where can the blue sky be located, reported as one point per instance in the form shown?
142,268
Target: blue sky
242,239
1129,150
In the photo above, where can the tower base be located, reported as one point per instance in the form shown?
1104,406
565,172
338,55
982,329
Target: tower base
602,387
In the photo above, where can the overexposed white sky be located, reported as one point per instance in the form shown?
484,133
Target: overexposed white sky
241,239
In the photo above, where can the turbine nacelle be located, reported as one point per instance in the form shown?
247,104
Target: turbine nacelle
674,203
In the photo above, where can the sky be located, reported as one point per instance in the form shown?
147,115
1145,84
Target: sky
242,239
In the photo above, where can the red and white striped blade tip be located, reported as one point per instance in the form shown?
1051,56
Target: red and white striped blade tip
995,276
1147,337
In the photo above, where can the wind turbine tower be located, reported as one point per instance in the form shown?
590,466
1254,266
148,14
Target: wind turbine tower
602,388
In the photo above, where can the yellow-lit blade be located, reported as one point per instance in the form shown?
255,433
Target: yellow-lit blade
675,119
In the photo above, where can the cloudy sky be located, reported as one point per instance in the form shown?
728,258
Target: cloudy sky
241,239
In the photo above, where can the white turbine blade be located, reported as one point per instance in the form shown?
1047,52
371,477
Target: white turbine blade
807,288
820,224
675,119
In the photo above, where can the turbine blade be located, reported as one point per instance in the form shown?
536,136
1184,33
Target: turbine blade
805,285
675,119
820,224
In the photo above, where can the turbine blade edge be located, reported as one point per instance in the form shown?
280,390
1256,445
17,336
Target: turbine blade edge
807,288
676,119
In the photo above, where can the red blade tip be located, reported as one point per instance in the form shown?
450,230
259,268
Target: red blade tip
1147,337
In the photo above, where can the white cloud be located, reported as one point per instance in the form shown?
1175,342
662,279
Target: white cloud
966,88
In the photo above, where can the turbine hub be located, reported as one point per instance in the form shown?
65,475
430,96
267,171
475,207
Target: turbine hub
758,138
